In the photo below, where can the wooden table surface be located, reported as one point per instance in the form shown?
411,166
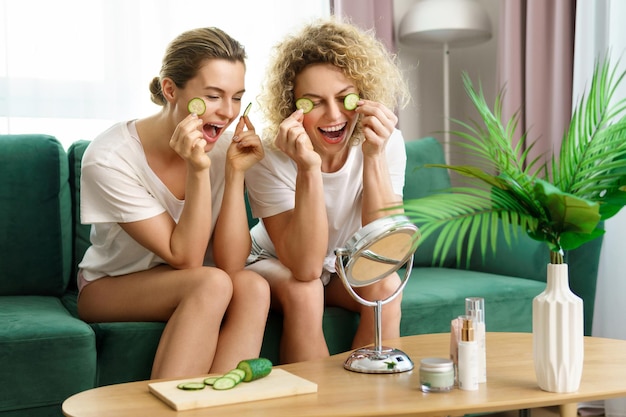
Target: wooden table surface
511,385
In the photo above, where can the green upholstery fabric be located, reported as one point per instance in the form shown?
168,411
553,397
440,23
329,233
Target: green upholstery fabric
34,216
80,232
338,324
46,355
126,350
435,296
420,182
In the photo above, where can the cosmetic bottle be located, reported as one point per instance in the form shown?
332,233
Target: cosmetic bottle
475,309
468,357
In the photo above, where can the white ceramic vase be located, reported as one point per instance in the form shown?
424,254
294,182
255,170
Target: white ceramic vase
558,334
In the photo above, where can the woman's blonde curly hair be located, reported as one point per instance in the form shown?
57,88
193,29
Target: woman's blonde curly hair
357,53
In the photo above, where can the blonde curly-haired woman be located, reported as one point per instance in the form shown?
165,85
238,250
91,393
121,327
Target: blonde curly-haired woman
327,173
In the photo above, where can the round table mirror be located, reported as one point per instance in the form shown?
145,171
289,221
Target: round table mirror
374,252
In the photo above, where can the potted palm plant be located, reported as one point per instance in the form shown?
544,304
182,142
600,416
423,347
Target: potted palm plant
562,202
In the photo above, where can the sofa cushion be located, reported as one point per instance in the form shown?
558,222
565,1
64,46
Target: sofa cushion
434,296
46,355
420,182
35,216
339,327
126,350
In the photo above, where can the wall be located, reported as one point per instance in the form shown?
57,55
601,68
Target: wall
424,68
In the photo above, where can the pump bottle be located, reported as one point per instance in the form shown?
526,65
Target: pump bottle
475,309
468,357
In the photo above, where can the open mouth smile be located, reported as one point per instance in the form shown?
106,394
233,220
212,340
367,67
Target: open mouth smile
212,132
333,134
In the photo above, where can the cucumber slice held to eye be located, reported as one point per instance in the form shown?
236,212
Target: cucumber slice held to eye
247,110
306,104
350,101
196,105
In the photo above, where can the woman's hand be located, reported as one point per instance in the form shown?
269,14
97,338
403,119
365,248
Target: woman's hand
188,142
246,148
293,140
378,124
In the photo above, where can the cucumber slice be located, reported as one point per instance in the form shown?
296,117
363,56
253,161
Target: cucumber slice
305,104
247,110
350,101
191,386
237,374
255,368
211,380
224,383
196,105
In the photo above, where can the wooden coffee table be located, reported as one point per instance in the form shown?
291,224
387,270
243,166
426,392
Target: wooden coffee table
511,385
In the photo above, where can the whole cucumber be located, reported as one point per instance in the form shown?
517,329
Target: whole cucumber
255,368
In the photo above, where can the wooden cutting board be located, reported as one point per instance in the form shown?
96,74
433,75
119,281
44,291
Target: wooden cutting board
279,383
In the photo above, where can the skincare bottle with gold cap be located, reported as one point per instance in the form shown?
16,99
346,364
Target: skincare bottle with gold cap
468,357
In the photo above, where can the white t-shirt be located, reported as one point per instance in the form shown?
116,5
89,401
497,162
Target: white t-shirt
271,186
118,186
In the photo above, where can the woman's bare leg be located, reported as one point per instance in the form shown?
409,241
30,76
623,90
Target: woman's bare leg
337,295
244,326
302,306
192,301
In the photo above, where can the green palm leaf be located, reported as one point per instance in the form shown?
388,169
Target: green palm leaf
562,206
467,215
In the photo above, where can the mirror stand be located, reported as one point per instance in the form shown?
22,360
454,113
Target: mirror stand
378,358
373,253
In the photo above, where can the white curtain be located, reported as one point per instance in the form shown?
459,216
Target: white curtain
600,29
70,68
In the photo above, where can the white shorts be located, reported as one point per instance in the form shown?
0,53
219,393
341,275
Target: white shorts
257,253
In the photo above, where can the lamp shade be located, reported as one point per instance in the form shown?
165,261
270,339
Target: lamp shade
455,22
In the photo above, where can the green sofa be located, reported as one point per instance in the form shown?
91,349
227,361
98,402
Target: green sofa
48,354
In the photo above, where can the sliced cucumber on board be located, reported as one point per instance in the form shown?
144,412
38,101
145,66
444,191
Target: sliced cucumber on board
224,382
247,370
191,386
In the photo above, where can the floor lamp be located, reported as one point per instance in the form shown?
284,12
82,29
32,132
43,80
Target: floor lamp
445,23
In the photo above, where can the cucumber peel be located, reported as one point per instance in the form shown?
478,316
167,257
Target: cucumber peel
306,104
255,368
196,105
350,101
247,110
